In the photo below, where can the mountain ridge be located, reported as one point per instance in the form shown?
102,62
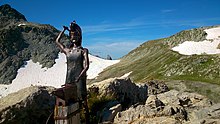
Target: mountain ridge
22,41
6,10
155,60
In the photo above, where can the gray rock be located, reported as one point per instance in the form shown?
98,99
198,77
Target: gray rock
156,87
153,102
144,114
123,89
110,111
193,100
31,105
169,97
174,107
207,114
109,57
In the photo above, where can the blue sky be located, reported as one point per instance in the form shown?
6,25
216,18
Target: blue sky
115,27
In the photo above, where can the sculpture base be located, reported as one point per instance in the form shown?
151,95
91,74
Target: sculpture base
67,114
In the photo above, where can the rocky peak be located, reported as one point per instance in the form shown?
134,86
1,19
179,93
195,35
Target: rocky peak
21,41
7,11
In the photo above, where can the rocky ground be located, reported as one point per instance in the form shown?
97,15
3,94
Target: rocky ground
31,105
151,102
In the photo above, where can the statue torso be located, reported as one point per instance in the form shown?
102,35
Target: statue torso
74,64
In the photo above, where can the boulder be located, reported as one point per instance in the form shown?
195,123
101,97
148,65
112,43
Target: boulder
156,87
185,99
153,102
169,97
109,57
31,105
123,89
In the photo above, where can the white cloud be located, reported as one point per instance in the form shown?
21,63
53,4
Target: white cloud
167,10
104,27
145,23
115,49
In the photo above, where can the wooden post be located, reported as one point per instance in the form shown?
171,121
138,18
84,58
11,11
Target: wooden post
67,110
67,114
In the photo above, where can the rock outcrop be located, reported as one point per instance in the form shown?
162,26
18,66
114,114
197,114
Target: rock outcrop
109,57
207,115
9,16
156,87
161,105
172,107
31,105
123,90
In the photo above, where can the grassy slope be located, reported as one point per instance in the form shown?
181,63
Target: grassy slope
155,60
144,62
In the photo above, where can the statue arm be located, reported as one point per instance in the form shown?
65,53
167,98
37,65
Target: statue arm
60,45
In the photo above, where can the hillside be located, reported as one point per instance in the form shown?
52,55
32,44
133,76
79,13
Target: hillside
156,60
21,40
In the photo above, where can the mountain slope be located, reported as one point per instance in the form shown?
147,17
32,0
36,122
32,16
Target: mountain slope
21,41
29,55
156,60
9,16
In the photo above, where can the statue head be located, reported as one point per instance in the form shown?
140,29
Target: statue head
75,33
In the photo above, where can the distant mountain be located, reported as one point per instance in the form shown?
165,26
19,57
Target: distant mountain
9,16
156,59
21,40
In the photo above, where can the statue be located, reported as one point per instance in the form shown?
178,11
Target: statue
77,65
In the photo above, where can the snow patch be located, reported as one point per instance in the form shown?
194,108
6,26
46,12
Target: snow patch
32,74
125,75
21,24
208,46
213,33
97,65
